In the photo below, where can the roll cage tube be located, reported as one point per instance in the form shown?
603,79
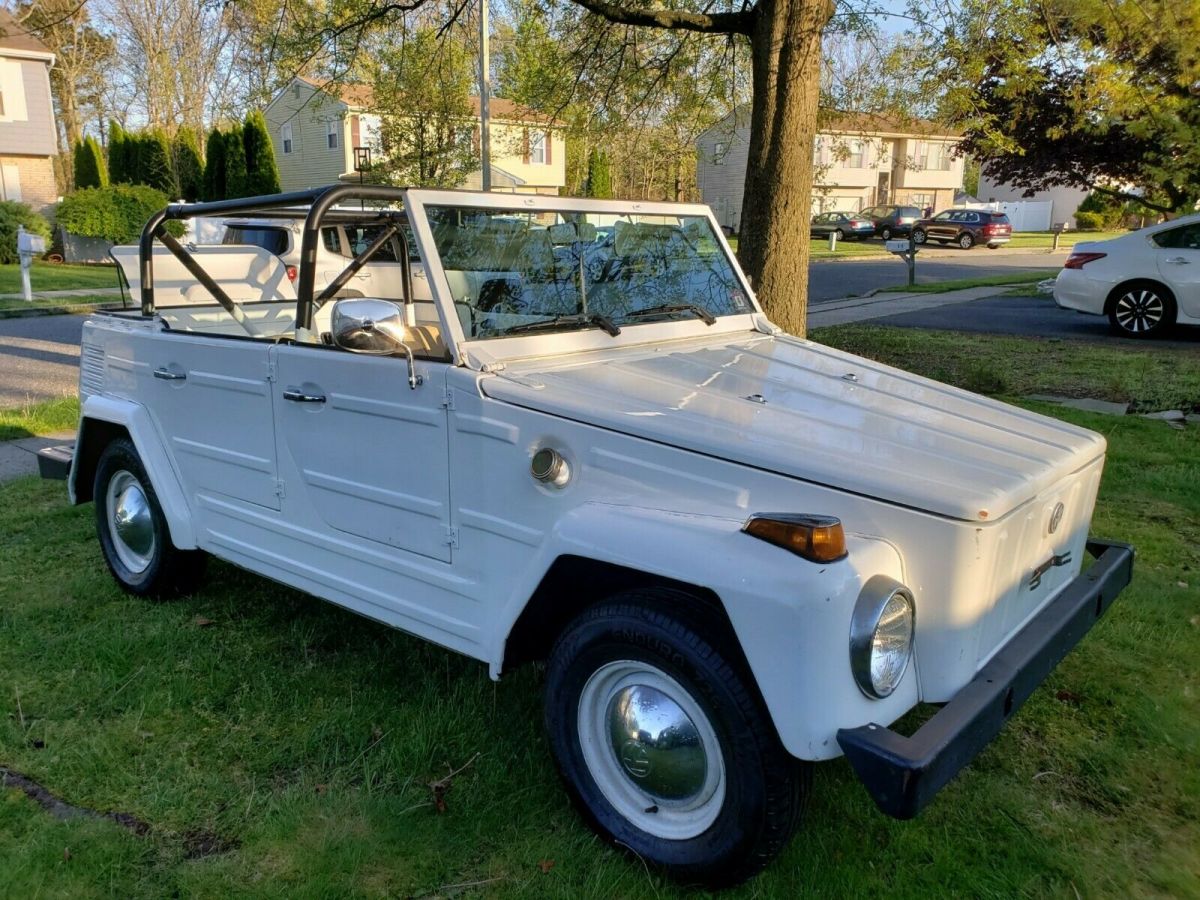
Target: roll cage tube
320,202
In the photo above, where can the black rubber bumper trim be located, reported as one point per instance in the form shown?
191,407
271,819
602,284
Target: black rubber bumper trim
902,774
55,462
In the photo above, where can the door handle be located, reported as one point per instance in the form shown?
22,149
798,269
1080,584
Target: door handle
298,396
168,375
1179,261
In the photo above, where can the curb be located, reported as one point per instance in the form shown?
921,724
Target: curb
35,311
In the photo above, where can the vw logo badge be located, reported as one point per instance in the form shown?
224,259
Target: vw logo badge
1056,517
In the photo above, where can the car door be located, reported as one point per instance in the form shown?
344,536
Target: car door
211,399
363,454
944,226
820,225
1177,255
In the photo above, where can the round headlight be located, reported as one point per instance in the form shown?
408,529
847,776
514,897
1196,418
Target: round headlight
881,636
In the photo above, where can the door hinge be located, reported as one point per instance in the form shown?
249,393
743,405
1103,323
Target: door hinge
279,492
270,370
451,536
448,399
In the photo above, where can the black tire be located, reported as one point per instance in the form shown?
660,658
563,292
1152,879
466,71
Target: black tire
167,570
764,788
966,240
919,236
1141,309
841,235
885,233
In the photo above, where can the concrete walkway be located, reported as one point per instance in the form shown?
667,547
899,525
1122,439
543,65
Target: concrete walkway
882,304
18,458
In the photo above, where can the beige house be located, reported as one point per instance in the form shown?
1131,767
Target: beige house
315,131
28,134
859,160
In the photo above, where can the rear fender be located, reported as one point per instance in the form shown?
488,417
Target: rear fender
99,417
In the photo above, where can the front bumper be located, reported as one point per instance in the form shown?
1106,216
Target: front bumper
902,774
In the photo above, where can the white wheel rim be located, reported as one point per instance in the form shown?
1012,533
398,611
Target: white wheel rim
1139,311
130,522
667,778
965,241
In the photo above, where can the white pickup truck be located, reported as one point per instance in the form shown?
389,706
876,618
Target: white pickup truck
738,552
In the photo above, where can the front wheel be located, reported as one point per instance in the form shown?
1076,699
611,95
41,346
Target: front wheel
918,236
1142,309
133,531
966,240
886,234
841,235
664,743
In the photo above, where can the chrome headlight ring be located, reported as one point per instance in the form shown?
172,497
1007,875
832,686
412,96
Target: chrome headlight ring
881,636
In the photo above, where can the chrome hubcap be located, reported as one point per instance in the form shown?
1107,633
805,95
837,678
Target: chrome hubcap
651,750
1139,311
130,523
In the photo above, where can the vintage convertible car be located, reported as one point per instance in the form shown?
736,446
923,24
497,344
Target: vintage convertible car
738,552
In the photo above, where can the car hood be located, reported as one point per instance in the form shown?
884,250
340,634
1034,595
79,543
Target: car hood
810,412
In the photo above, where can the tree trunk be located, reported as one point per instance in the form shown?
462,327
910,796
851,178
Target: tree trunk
776,206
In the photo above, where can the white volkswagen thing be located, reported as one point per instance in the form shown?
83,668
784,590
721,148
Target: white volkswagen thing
736,551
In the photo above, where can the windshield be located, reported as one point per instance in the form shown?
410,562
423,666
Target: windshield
508,269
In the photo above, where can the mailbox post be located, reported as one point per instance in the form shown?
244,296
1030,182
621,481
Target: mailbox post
28,245
907,251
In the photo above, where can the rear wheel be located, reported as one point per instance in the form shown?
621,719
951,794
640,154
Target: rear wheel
664,743
133,532
966,240
1141,309
841,235
918,236
886,234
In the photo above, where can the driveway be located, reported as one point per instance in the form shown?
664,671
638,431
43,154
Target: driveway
834,279
39,358
1033,316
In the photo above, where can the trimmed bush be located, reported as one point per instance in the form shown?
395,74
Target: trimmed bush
1089,221
262,175
115,213
154,162
235,163
13,214
1103,210
90,170
119,170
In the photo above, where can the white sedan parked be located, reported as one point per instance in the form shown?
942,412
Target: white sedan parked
1145,282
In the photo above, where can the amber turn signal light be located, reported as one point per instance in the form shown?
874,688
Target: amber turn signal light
816,538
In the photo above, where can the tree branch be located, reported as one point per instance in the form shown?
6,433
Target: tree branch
681,20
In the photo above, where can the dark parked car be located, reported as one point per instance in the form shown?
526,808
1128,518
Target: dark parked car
846,224
965,227
892,221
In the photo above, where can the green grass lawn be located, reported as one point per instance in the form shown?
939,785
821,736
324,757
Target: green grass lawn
39,418
279,747
73,303
62,277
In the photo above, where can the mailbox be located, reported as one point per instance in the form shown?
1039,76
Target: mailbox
897,246
30,243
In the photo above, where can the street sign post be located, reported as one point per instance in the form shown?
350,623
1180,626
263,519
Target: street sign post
907,251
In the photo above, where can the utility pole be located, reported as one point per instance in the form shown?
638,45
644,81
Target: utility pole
485,95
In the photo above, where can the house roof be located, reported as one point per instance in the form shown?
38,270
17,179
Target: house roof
14,38
362,97
838,121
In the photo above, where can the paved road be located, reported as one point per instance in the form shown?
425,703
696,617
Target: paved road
833,279
39,358
1036,316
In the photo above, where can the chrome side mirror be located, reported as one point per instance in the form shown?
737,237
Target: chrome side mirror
375,327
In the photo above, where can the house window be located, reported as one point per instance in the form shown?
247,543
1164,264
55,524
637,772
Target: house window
286,134
936,158
818,149
719,151
12,92
855,159
331,134
537,148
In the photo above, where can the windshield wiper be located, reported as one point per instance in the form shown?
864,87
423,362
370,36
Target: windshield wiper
666,309
595,320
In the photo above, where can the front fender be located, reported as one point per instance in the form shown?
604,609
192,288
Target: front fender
134,418
790,616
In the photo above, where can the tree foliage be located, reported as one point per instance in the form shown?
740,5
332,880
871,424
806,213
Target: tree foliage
12,214
189,167
1098,94
422,84
262,175
119,152
116,213
599,175
235,163
90,169
154,162
215,185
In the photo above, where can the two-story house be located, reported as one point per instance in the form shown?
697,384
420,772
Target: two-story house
859,160
315,131
28,134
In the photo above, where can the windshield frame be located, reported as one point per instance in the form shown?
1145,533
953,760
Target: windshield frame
480,352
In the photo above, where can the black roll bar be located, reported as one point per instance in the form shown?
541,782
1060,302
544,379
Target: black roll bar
319,201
